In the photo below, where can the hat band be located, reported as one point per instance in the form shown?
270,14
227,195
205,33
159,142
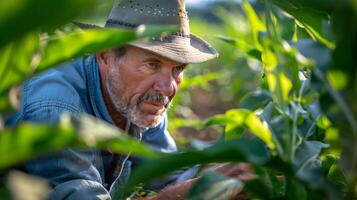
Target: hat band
114,23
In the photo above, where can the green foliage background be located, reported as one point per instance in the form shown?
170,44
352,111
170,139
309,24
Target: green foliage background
280,97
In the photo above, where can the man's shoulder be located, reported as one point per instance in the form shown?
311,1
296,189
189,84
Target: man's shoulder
63,85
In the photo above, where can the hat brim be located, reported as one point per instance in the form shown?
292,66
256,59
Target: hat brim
196,51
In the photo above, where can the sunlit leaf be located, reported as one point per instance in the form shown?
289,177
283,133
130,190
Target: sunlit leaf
15,61
236,120
255,23
269,60
280,85
90,41
338,79
75,44
63,48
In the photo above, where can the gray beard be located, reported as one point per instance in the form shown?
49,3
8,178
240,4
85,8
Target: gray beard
131,112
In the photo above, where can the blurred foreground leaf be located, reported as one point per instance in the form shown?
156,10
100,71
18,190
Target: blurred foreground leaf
29,140
15,59
62,48
19,17
314,21
27,187
213,185
242,150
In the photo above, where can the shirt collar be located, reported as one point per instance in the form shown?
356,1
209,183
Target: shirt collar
95,92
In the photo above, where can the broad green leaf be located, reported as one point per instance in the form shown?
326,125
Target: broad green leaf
19,17
213,185
269,59
240,43
238,119
242,150
337,176
280,85
312,20
255,23
318,53
66,47
15,61
29,140
307,153
73,45
258,188
220,119
295,190
77,44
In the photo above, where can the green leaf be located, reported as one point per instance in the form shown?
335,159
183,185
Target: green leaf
295,190
240,43
19,17
238,119
311,19
58,50
73,45
213,185
198,81
15,61
307,153
258,188
242,150
315,51
255,100
280,85
91,41
255,23
29,140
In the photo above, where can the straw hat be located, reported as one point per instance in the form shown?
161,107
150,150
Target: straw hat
181,46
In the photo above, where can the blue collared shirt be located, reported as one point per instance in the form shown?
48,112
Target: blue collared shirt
74,87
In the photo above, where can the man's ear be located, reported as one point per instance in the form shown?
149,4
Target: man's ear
103,58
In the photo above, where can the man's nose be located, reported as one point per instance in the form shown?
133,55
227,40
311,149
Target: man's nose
166,85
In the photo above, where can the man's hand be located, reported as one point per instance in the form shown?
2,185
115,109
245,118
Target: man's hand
242,171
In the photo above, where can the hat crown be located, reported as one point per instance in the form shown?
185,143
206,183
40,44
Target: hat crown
132,13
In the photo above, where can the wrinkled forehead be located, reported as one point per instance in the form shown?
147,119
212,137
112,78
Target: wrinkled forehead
140,54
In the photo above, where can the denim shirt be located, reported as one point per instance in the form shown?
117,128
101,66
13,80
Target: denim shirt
74,87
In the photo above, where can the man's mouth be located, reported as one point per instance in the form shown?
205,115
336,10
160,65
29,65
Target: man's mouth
154,107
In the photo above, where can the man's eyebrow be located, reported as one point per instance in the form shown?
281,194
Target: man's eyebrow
152,60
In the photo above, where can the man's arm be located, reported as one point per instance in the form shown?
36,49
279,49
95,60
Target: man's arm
72,173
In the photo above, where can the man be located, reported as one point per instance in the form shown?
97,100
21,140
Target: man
130,87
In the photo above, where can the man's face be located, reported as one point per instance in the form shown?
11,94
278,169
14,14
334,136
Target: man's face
142,84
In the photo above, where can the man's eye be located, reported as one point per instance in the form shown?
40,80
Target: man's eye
152,66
